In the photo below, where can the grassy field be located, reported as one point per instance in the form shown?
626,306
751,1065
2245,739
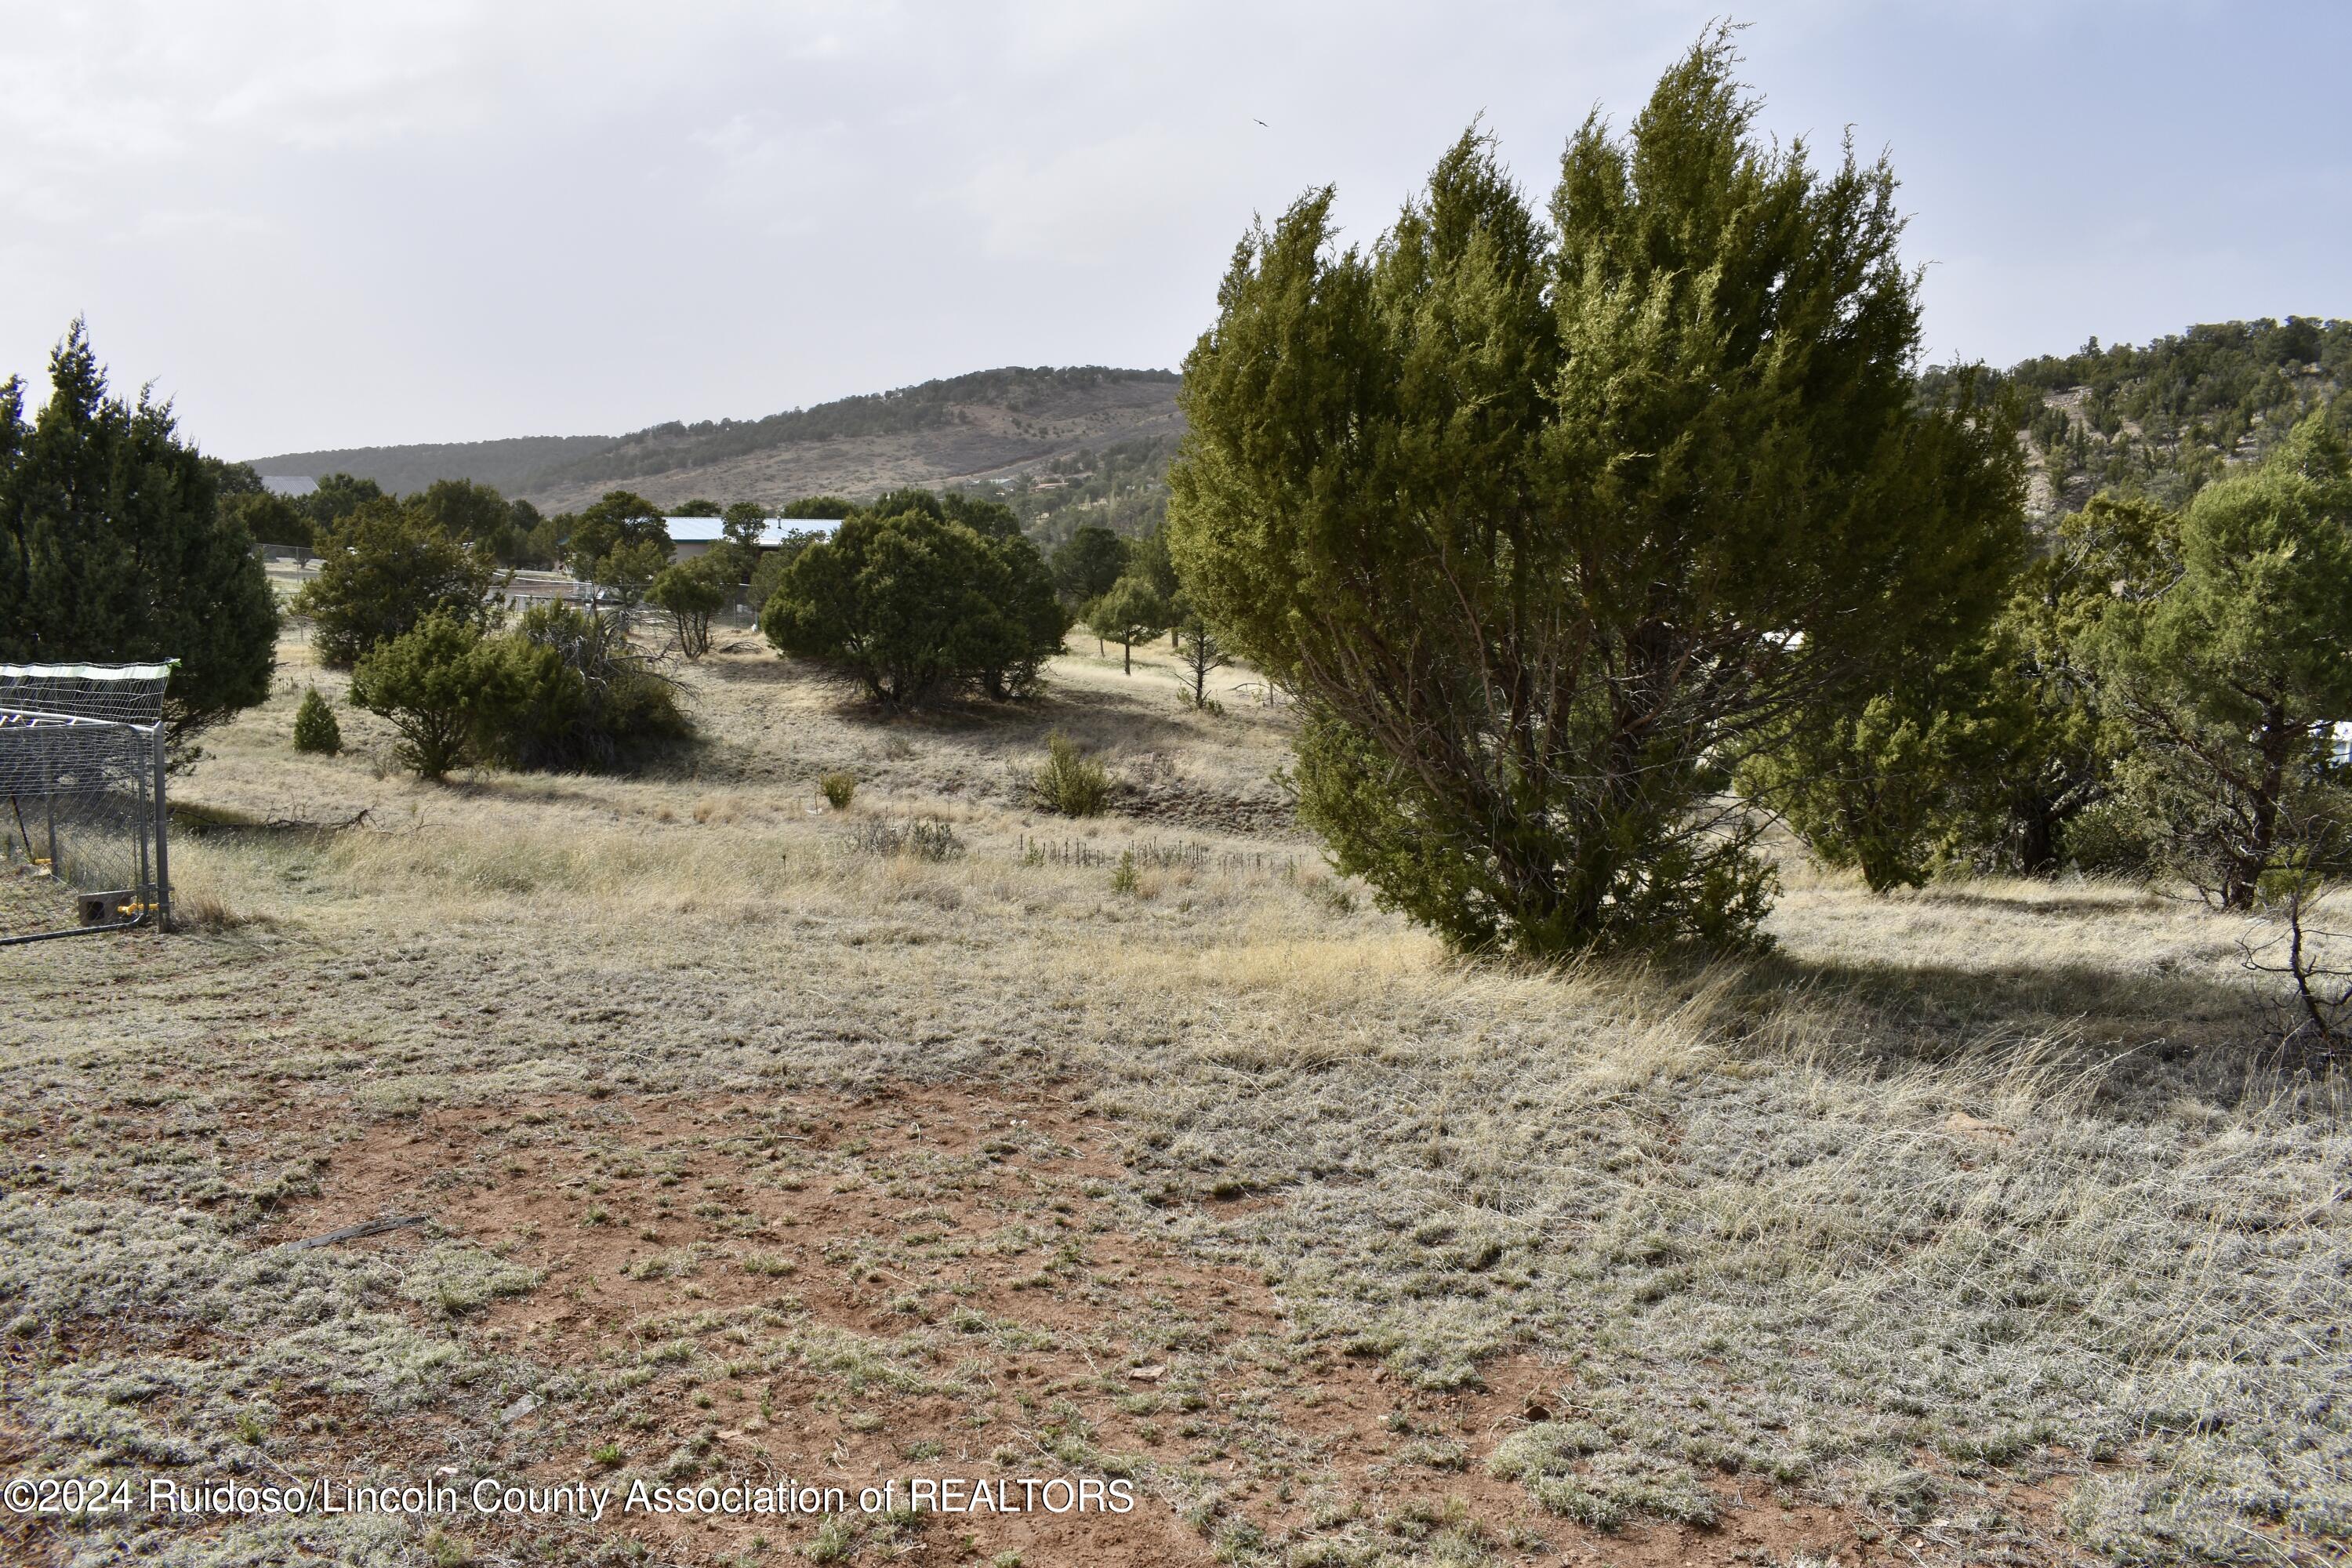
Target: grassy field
1968,1227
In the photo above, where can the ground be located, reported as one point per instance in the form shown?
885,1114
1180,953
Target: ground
751,1141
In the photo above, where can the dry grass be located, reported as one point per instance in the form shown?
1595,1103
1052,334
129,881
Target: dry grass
1967,1228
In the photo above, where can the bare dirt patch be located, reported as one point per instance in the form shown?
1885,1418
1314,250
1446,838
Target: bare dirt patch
928,1281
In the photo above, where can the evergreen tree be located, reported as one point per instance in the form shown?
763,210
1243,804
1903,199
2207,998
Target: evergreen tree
383,570
915,605
621,543
689,595
315,729
336,496
1032,618
1130,613
113,548
746,521
1088,562
1542,521
818,507
268,518
2230,657
1197,651
442,685
473,512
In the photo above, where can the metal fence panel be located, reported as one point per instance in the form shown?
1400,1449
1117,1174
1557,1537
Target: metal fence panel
82,840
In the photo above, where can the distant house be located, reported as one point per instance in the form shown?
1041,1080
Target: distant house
693,536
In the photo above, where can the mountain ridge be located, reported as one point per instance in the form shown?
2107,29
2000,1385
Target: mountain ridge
980,426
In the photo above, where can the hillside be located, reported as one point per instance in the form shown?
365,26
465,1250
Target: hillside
1088,444
987,424
506,464
2165,419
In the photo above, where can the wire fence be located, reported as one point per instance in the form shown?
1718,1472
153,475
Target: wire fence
81,786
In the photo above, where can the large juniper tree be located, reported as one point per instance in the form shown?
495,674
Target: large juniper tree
113,547
1546,520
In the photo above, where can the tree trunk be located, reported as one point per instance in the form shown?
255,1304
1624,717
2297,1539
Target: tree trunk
1127,657
2243,877
2037,838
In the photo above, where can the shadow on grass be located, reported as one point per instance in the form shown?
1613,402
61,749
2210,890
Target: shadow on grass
2152,1035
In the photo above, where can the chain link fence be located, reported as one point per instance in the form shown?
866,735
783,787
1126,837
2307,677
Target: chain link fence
81,799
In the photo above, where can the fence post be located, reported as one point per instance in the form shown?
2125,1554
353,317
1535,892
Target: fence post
163,826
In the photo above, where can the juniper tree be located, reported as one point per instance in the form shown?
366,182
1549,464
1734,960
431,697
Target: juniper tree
381,570
621,543
1132,612
916,605
113,547
1086,563
315,729
688,594
1544,519
2229,658
442,685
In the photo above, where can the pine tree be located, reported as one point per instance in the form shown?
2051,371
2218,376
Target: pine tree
315,729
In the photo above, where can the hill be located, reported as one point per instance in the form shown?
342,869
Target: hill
507,463
2165,419
988,424
1089,444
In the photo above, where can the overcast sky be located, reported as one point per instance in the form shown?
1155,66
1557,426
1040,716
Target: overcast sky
321,225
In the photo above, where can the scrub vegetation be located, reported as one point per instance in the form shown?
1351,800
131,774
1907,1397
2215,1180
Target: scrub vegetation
1968,1224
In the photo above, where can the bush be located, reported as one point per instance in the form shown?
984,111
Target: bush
382,571
442,685
1069,781
582,699
838,788
918,606
315,729
928,839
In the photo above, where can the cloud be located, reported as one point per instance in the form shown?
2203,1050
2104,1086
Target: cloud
326,225
1087,205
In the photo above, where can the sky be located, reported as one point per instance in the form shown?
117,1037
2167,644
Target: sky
320,225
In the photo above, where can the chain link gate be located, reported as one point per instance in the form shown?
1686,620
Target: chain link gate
81,786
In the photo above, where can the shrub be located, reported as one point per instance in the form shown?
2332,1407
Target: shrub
1123,879
838,790
933,839
917,606
315,729
583,699
442,685
382,571
927,840
1069,781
